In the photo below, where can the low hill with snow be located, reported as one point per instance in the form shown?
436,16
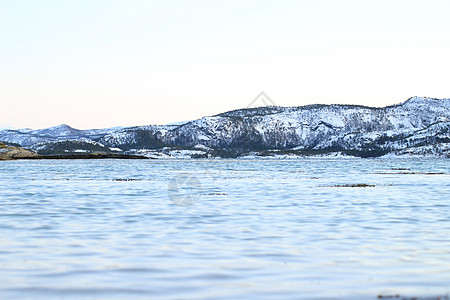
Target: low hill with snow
418,126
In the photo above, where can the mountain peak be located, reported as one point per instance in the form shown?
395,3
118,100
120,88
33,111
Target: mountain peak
61,126
60,130
417,99
433,102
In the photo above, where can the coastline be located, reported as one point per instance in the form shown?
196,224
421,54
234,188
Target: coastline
18,153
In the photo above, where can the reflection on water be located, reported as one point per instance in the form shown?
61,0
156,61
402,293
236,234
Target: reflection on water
272,229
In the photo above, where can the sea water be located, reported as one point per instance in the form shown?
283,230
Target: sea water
224,229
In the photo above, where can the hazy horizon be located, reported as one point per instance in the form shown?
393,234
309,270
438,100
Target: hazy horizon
99,64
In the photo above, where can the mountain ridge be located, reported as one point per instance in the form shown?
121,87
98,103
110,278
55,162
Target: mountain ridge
409,127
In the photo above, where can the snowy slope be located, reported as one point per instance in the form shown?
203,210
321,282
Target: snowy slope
357,130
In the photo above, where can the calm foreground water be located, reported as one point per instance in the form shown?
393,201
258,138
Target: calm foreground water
259,229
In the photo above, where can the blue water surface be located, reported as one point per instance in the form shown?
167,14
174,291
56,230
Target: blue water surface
224,229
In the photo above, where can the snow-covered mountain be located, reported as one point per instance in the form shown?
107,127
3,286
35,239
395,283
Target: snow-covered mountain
28,137
418,126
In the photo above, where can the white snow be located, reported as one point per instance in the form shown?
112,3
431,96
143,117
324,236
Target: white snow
409,124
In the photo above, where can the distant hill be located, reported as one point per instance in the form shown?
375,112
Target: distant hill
416,127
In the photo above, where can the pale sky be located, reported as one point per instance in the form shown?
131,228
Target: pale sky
103,63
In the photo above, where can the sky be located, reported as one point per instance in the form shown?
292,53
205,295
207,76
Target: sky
105,63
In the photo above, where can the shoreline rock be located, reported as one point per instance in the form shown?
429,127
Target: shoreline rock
14,153
11,153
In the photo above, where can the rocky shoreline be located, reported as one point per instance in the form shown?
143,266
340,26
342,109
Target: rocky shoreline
10,153
14,153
